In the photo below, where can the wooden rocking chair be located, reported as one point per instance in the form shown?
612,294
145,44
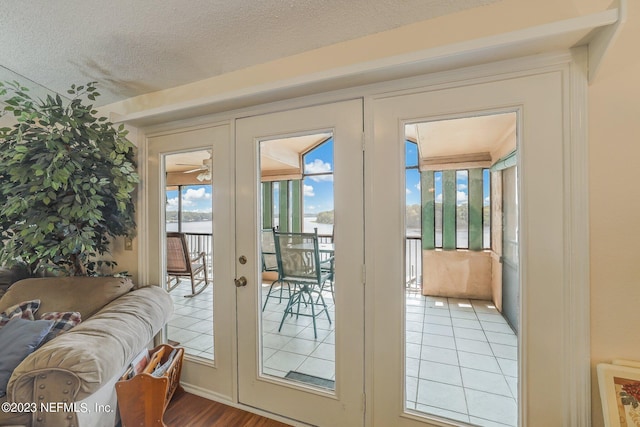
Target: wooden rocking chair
180,264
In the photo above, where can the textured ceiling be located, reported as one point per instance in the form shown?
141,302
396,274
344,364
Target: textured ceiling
141,46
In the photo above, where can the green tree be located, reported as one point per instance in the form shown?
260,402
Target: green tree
66,180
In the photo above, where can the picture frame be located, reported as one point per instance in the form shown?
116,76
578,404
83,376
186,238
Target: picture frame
620,394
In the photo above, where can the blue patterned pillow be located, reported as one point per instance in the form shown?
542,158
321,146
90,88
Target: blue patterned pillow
23,310
63,321
19,338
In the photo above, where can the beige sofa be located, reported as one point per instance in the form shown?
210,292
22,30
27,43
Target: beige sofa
73,376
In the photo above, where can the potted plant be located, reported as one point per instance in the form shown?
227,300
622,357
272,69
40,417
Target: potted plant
66,182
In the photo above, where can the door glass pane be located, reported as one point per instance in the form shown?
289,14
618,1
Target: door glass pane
298,268
189,249
461,354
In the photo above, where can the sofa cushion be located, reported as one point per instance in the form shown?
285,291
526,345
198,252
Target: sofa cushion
62,322
18,339
14,419
24,310
85,295
99,348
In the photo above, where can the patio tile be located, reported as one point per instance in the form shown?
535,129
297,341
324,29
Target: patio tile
496,327
441,341
466,323
473,346
437,320
492,407
284,361
491,317
203,327
201,342
502,338
413,337
411,390
441,355
300,346
505,351
440,372
460,314
509,367
443,396
486,423
414,317
437,311
413,326
457,416
318,367
479,361
413,350
485,381
412,367
325,351
438,329
470,334
276,341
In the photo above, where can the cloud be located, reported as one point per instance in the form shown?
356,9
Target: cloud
308,191
487,201
190,198
461,197
462,186
418,185
439,198
172,204
192,194
408,191
318,166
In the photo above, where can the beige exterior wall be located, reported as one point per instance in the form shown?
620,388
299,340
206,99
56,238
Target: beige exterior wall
614,129
457,274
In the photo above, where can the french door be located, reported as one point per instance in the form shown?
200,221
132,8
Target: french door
200,322
301,171
308,170
537,103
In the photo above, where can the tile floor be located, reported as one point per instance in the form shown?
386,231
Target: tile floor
462,361
192,322
461,354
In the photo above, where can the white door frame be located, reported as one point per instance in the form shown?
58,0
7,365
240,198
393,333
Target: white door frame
571,303
572,65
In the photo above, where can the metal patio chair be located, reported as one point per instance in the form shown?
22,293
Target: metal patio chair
299,264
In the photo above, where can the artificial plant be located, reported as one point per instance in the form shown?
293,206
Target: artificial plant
66,182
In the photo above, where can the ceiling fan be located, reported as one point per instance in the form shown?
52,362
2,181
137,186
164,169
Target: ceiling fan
205,175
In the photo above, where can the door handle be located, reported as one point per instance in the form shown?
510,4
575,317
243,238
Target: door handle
240,282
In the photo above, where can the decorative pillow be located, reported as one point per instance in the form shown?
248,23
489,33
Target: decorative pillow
24,310
19,338
62,322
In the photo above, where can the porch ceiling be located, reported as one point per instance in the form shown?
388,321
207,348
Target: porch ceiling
486,138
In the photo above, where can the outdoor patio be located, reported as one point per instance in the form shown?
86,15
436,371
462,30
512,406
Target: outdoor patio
461,355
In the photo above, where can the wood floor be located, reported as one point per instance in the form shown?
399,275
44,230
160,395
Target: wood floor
189,410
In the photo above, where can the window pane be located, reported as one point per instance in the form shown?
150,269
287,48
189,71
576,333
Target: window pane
438,190
318,189
486,209
462,209
411,154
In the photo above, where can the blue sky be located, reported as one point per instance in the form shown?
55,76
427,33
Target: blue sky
196,198
318,190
